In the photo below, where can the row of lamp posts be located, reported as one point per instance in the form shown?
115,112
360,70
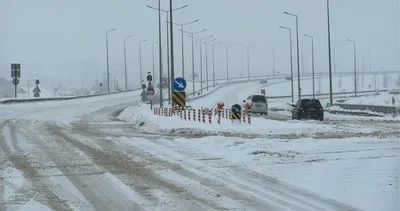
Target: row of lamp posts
203,40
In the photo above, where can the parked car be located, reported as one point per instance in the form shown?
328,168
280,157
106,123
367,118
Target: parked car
259,104
263,81
308,109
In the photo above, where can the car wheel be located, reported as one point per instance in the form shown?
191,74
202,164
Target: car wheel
298,117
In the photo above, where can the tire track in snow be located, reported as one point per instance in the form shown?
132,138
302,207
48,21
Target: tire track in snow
2,162
93,185
133,168
39,190
286,195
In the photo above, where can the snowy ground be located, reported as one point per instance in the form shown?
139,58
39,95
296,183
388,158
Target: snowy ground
340,84
381,99
77,155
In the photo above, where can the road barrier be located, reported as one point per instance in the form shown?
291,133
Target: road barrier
373,108
205,115
32,100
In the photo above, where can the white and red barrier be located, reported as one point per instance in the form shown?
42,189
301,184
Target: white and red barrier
204,115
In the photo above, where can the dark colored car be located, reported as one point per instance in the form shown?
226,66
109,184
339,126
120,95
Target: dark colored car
308,109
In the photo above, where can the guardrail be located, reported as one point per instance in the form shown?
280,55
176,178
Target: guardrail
326,94
373,108
28,100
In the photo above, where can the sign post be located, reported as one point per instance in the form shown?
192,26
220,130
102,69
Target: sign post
179,94
15,75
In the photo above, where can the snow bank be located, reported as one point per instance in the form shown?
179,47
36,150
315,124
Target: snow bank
142,117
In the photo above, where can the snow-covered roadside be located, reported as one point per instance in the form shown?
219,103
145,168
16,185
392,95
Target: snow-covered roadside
142,117
361,172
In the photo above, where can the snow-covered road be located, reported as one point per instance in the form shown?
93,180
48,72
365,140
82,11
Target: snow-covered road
79,155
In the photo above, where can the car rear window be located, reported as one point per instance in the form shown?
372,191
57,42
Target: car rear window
311,104
259,99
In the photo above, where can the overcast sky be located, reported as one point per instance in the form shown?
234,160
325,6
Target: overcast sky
64,41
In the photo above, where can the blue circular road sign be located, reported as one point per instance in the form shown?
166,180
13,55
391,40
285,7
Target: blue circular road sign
236,108
179,84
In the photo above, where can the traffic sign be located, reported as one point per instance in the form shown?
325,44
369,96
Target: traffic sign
179,84
236,108
149,77
36,89
15,70
178,100
15,81
236,112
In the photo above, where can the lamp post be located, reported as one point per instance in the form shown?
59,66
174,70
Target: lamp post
153,60
183,47
313,63
298,51
213,56
355,65
126,72
227,61
200,40
108,64
140,60
291,58
330,54
192,36
167,43
248,59
206,44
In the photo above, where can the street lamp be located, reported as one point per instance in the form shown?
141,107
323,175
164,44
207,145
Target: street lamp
153,54
273,60
330,54
248,60
206,43
108,64
213,56
126,72
291,58
140,60
298,50
200,40
227,61
355,65
192,36
313,63
167,43
183,51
